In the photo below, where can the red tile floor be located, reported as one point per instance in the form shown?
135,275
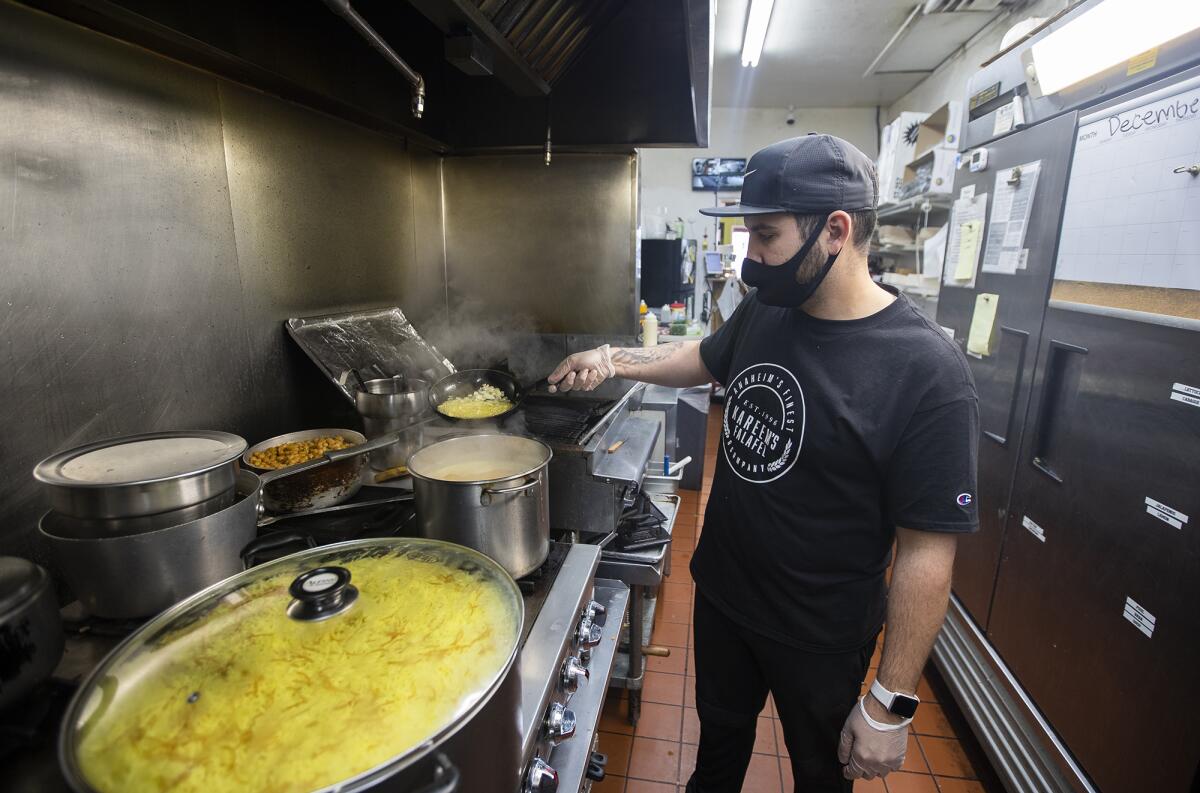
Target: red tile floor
658,756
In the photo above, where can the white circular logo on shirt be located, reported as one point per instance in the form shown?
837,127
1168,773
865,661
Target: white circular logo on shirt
763,425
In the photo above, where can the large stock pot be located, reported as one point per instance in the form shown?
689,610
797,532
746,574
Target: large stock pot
488,492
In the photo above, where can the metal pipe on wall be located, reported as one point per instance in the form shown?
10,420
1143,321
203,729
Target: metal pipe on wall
343,9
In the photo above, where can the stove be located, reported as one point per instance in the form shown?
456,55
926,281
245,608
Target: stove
568,647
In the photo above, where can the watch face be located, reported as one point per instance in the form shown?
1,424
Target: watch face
904,707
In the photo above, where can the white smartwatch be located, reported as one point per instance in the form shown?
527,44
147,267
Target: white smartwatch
902,705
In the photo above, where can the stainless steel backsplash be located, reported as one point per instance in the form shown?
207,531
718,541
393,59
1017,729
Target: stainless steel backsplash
158,224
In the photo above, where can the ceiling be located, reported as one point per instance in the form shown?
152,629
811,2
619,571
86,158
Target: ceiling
817,50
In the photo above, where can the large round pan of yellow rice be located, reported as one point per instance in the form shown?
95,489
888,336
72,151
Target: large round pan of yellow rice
226,692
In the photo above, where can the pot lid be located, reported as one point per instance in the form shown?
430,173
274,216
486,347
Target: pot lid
331,667
20,579
138,459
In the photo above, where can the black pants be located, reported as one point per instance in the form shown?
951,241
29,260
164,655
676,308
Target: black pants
813,694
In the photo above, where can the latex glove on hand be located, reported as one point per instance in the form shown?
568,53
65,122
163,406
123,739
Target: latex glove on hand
583,371
869,748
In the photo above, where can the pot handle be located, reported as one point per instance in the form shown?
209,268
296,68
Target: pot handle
485,497
445,777
271,541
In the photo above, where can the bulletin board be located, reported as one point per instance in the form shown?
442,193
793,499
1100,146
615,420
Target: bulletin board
1131,223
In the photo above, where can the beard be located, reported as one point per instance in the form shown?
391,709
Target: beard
814,260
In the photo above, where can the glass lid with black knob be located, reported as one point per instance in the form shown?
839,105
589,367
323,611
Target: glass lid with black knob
303,674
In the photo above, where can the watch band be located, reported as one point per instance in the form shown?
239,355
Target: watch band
903,705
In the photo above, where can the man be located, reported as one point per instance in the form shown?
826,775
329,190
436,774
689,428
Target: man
851,422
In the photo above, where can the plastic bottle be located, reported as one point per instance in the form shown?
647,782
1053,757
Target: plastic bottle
649,330
642,309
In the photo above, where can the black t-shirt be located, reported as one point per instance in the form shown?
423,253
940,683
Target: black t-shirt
834,434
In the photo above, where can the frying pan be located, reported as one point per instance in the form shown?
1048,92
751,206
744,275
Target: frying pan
467,382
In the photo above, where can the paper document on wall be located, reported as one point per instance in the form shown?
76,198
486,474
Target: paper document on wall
1132,214
1011,205
731,296
935,253
981,338
962,255
968,249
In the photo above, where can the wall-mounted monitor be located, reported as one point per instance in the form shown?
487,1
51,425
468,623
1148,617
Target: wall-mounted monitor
718,173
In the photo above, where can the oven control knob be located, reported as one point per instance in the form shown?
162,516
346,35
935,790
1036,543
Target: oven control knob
560,723
574,672
542,778
597,613
589,633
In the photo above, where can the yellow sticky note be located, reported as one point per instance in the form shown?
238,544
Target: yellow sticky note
1142,62
983,324
968,249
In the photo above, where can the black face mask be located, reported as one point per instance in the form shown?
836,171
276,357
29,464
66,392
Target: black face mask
777,286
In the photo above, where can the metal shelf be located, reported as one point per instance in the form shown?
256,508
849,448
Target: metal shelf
878,247
915,206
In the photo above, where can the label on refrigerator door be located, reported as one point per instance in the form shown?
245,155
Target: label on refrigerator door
1034,529
1164,513
1186,394
1142,620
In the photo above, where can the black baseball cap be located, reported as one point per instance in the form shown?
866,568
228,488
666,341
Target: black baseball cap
810,175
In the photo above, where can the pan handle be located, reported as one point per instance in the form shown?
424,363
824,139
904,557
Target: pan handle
271,541
376,443
337,455
485,497
445,777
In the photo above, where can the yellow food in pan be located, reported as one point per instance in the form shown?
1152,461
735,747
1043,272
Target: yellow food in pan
487,401
249,699
296,452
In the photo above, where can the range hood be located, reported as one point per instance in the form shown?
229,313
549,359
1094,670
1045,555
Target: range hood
496,73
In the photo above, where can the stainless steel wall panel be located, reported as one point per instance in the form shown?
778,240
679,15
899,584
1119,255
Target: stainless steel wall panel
157,225
323,209
550,246
427,282
114,215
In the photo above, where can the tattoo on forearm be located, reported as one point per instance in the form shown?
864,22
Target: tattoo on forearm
640,356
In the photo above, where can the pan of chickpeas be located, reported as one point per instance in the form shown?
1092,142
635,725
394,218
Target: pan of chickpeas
326,486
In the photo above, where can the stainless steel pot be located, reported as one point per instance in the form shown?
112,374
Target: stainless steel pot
88,528
31,635
488,492
388,406
333,669
137,575
141,474
323,486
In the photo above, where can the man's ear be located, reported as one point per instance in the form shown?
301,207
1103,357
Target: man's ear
837,229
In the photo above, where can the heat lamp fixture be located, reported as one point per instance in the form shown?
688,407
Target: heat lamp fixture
757,22
1102,37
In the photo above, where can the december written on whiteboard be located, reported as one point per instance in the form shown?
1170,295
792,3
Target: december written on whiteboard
1142,119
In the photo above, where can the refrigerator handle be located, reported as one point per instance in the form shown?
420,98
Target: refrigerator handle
1061,381
1023,336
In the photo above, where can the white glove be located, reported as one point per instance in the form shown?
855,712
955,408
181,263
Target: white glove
868,748
583,371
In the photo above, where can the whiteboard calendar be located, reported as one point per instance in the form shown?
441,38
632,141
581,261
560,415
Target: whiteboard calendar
1132,214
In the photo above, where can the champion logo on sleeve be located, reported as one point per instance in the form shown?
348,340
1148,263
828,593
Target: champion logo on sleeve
964,499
